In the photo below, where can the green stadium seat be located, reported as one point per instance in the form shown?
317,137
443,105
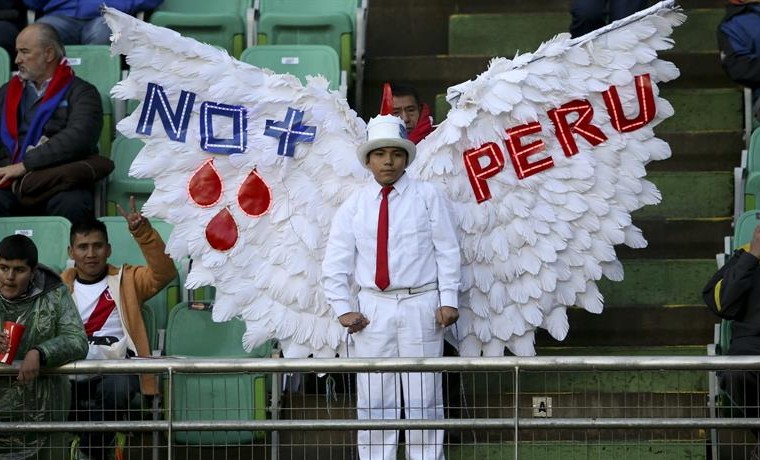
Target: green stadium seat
5,66
120,185
124,250
95,64
191,332
306,22
297,60
753,152
222,23
745,227
49,233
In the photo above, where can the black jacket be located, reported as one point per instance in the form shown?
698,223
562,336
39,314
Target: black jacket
733,293
73,130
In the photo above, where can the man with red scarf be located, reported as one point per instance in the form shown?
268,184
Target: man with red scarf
48,117
416,115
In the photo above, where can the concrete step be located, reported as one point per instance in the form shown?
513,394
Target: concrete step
413,37
433,74
700,151
704,110
725,115
504,34
663,282
640,326
690,195
679,238
698,33
579,450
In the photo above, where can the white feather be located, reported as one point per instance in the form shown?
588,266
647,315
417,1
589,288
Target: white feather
536,247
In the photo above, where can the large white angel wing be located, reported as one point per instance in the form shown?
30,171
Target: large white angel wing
256,222
253,219
555,145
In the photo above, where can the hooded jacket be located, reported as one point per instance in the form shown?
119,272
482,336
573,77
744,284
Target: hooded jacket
131,286
54,327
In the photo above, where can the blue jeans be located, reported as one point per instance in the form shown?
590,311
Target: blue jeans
589,15
75,31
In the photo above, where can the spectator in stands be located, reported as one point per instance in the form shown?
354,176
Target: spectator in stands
739,43
33,295
734,294
12,18
407,267
416,115
49,118
79,22
589,15
109,300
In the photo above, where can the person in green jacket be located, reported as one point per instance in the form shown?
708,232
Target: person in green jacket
35,296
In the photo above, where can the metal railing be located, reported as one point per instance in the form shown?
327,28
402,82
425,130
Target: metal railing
505,411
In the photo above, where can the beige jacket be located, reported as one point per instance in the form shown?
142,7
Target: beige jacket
131,286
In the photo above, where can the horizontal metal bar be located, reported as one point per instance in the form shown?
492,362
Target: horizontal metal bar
352,424
321,365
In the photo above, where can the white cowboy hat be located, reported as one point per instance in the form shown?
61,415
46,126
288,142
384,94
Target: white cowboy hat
386,131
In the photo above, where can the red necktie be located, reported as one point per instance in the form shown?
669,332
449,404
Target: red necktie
382,278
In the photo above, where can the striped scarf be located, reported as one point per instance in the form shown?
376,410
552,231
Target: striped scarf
54,93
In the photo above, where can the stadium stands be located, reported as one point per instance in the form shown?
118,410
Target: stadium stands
5,66
95,64
300,61
49,233
222,23
205,397
340,24
120,185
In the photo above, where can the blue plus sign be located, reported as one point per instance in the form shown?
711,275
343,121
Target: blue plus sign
290,131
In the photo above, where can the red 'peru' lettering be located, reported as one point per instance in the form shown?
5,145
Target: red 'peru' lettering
647,108
477,173
582,126
565,132
519,153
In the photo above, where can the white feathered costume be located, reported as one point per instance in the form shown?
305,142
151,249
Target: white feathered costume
574,119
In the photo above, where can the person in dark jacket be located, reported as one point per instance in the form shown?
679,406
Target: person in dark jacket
733,294
12,19
48,117
589,15
416,114
739,43
34,296
79,22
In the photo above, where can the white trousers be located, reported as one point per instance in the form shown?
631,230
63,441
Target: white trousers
400,325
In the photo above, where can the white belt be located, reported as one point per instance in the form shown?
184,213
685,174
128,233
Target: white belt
409,291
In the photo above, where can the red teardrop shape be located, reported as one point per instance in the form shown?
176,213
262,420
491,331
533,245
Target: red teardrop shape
222,231
254,195
205,187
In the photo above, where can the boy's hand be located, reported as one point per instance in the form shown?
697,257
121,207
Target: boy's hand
354,321
446,316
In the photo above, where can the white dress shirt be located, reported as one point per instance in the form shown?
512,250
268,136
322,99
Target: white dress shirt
422,243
